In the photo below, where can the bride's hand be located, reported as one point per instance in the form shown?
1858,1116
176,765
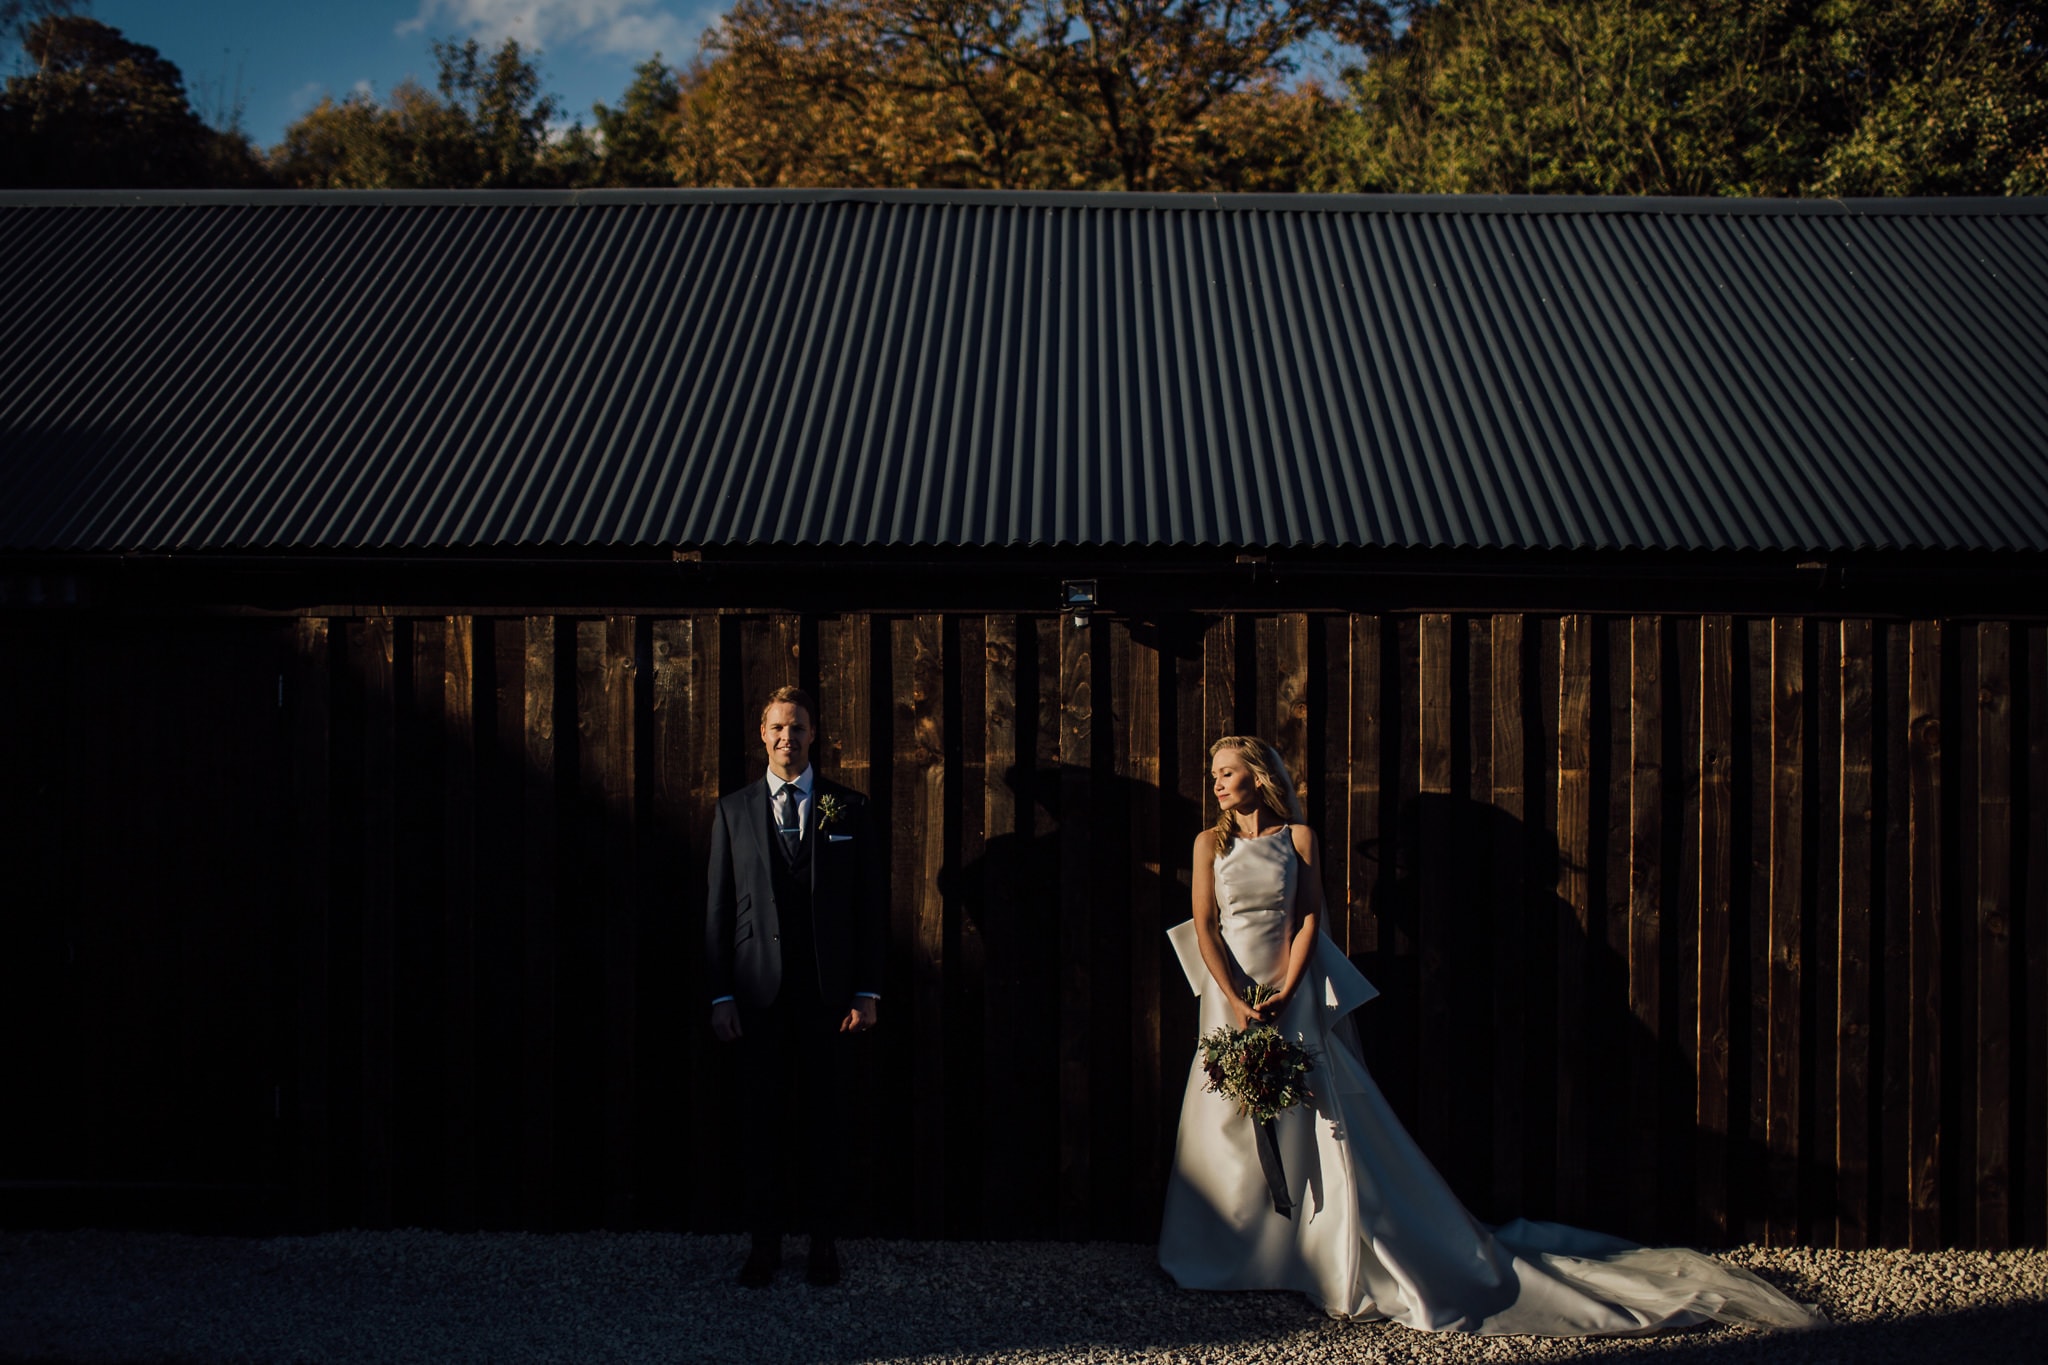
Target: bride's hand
1246,1015
1271,1010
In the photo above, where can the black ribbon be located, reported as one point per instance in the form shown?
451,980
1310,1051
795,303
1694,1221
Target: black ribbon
1269,1162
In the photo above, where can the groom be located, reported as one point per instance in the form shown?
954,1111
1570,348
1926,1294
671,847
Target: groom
794,938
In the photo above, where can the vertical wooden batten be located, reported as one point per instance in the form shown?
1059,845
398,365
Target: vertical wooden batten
1821,1005
968,976
1290,690
459,1045
1893,1028
1437,948
1573,832
1786,855
1923,1023
1138,766
1851,1100
1645,907
998,894
2032,1223
1367,848
1993,853
1508,795
1076,915
920,787
845,667
374,652
1714,879
1042,926
682,731
538,842
1219,695
1474,825
1333,820
312,743
607,741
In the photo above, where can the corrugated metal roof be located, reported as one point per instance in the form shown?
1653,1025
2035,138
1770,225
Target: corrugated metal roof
717,368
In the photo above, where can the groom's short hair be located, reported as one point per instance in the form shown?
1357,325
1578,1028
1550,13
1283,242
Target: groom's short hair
795,696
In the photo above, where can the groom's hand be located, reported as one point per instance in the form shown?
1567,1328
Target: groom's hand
725,1021
860,1017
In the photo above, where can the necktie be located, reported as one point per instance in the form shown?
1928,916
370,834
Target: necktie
787,827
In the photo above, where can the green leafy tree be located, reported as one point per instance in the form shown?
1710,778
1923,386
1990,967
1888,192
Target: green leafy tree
96,110
485,126
1750,97
412,141
637,142
1935,97
17,17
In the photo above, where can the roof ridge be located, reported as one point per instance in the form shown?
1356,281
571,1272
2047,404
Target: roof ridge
1536,204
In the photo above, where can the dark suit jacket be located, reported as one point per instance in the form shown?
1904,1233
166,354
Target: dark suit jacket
849,920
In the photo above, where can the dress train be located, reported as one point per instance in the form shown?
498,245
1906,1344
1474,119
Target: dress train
1376,1232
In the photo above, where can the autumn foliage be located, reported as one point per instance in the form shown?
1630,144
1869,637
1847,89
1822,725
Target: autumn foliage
1703,97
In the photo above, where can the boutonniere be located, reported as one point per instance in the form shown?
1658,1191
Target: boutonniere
831,810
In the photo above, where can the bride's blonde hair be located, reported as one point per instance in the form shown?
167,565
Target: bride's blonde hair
1271,778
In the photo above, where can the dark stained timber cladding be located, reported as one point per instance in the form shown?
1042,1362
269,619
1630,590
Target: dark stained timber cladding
967,725
1512,895
1721,884
285,371
1714,766
374,653
2030,802
458,800
1993,915
1855,1067
311,715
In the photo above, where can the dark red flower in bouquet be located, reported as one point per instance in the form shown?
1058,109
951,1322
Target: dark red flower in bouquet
1258,1068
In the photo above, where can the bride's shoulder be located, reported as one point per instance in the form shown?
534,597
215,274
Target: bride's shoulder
1205,844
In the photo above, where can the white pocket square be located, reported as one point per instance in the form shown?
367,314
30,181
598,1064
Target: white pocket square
838,838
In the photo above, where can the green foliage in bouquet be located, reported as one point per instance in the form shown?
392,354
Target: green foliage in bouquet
1259,1069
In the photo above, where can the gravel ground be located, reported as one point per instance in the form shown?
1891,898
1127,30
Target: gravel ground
600,1297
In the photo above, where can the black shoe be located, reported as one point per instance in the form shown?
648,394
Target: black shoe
822,1269
762,1263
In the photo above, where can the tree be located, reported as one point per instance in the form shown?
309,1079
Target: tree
798,93
1935,97
1750,97
486,128
1155,78
17,17
99,111
638,141
1105,94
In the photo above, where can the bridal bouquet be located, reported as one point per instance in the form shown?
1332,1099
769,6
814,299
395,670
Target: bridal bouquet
1258,1068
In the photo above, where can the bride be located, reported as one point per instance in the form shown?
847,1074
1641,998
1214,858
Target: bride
1373,1232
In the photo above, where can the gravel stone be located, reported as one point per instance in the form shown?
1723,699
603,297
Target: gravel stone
93,1296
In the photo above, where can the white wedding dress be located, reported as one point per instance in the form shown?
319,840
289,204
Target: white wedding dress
1375,1231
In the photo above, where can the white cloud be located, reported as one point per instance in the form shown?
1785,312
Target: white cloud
307,95
364,89
630,27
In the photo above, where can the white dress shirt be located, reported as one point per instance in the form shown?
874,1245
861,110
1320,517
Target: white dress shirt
802,783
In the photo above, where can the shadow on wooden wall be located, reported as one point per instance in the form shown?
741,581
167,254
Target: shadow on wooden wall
1696,928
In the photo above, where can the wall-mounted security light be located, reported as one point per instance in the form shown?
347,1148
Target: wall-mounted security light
1077,595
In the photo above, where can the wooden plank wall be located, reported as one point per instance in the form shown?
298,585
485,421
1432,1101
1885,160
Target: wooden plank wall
150,998
1700,928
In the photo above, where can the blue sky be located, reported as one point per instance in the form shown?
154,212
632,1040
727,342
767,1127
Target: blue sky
282,55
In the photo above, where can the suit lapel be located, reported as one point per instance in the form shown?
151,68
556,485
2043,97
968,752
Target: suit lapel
811,831
755,796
